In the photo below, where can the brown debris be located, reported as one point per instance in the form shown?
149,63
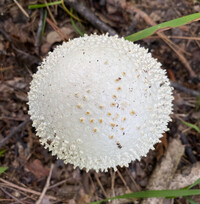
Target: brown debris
185,178
87,14
173,46
21,49
165,170
36,167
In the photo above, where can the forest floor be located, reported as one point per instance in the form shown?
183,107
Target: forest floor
22,48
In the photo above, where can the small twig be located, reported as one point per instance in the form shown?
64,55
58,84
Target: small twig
5,35
39,31
100,185
10,195
184,89
175,37
91,181
124,182
39,201
58,184
21,200
2,199
179,54
51,15
188,149
3,69
13,132
130,8
25,189
70,13
85,182
21,192
133,180
197,42
112,175
11,118
178,116
21,8
58,31
88,15
172,45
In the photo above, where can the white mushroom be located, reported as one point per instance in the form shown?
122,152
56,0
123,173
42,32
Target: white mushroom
100,101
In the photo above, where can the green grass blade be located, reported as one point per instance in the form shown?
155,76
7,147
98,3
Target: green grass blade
2,152
35,6
190,200
163,26
44,23
70,13
192,126
154,193
2,169
194,184
75,26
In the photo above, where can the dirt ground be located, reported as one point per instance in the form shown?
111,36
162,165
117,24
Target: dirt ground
22,47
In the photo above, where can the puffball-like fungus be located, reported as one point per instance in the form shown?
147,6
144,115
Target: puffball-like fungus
100,101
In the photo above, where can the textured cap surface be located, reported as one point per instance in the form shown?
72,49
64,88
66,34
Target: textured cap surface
100,101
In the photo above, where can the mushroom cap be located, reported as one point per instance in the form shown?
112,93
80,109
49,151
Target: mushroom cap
99,101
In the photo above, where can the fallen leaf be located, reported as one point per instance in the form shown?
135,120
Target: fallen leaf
161,147
37,169
45,200
53,36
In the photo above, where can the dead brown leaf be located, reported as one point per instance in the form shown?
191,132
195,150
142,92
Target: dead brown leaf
53,36
161,147
36,167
